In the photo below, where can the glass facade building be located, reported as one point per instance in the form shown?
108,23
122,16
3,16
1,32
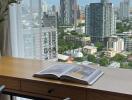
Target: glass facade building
68,12
100,21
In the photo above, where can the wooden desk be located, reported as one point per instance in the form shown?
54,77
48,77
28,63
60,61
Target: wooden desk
16,74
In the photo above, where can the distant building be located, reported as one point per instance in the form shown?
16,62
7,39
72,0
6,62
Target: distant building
49,20
91,64
68,12
49,39
82,41
78,55
110,53
128,44
80,30
90,49
54,10
127,36
87,20
100,20
63,57
115,44
124,9
130,58
78,12
81,15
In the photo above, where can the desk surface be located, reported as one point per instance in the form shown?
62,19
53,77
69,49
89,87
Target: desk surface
113,80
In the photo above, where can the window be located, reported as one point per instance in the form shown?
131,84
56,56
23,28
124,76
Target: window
42,29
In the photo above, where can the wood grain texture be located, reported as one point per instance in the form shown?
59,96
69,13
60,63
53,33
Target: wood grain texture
105,95
54,90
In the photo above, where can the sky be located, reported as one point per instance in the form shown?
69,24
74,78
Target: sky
84,2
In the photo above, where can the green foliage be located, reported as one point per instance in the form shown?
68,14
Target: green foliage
104,61
130,64
119,58
59,60
123,26
74,33
66,45
81,24
124,65
91,58
61,33
79,59
12,1
99,46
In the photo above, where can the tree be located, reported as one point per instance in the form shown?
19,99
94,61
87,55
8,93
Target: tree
62,33
124,65
104,61
91,58
74,33
119,58
130,64
81,24
123,26
79,59
99,46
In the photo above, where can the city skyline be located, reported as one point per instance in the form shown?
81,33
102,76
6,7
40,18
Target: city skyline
84,2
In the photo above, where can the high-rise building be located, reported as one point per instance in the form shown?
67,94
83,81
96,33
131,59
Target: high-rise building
82,13
124,9
78,12
100,20
68,12
128,44
31,36
49,43
54,10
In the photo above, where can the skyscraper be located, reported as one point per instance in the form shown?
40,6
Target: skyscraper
68,12
78,12
54,10
49,43
100,20
124,9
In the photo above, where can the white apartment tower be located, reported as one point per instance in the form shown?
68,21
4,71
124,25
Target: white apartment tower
29,38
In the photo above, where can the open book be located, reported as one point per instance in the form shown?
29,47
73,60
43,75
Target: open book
70,72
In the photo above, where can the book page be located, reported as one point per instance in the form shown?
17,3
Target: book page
95,75
57,69
80,72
